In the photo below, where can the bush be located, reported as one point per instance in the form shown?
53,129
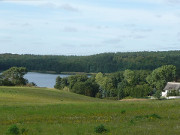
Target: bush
31,84
98,95
151,116
155,116
66,89
13,130
100,129
123,111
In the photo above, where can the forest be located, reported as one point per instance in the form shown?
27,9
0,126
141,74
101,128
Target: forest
105,62
119,85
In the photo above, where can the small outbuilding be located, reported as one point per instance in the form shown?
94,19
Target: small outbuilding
172,90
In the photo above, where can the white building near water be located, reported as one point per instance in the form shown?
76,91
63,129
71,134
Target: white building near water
171,86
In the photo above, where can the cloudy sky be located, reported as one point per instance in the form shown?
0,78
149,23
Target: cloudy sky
85,27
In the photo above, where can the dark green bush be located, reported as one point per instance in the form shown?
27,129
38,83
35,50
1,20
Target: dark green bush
143,117
13,130
123,111
155,116
100,129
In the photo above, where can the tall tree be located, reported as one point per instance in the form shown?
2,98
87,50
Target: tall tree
120,89
160,76
14,76
129,76
58,83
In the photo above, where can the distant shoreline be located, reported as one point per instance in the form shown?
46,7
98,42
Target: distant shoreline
64,73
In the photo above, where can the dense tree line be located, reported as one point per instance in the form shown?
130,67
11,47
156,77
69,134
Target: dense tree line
133,83
105,63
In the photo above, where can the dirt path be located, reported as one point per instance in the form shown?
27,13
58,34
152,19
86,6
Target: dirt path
134,99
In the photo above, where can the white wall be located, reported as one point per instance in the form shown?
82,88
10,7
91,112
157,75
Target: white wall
173,97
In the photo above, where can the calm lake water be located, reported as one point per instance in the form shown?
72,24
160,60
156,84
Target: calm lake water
43,80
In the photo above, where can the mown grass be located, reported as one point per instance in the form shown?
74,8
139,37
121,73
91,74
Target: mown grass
52,112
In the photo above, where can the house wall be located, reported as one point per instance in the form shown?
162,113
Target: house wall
173,97
164,94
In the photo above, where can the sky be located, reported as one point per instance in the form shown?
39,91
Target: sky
86,27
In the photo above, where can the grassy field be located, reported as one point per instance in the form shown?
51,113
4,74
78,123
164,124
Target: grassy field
43,111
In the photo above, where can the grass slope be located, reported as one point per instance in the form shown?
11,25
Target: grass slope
51,112
26,95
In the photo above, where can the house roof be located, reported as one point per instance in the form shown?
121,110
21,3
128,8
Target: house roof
172,86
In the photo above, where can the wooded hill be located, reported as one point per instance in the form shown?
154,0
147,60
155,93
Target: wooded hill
105,62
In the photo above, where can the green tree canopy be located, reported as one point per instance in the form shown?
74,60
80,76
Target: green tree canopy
14,76
58,83
129,76
160,76
76,78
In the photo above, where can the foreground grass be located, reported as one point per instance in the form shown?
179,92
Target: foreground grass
52,112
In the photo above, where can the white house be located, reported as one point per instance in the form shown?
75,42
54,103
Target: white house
171,86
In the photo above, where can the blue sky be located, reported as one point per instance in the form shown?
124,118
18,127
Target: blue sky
78,27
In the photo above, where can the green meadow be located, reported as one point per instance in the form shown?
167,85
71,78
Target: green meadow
43,111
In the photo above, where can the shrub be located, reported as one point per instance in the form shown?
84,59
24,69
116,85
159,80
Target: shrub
66,89
155,116
98,95
143,117
132,122
100,129
13,130
123,111
31,84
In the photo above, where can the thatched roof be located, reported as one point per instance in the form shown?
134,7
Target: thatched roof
172,86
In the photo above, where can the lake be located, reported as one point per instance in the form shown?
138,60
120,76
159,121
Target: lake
42,79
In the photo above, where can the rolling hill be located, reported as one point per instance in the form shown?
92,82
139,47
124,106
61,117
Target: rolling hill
27,95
